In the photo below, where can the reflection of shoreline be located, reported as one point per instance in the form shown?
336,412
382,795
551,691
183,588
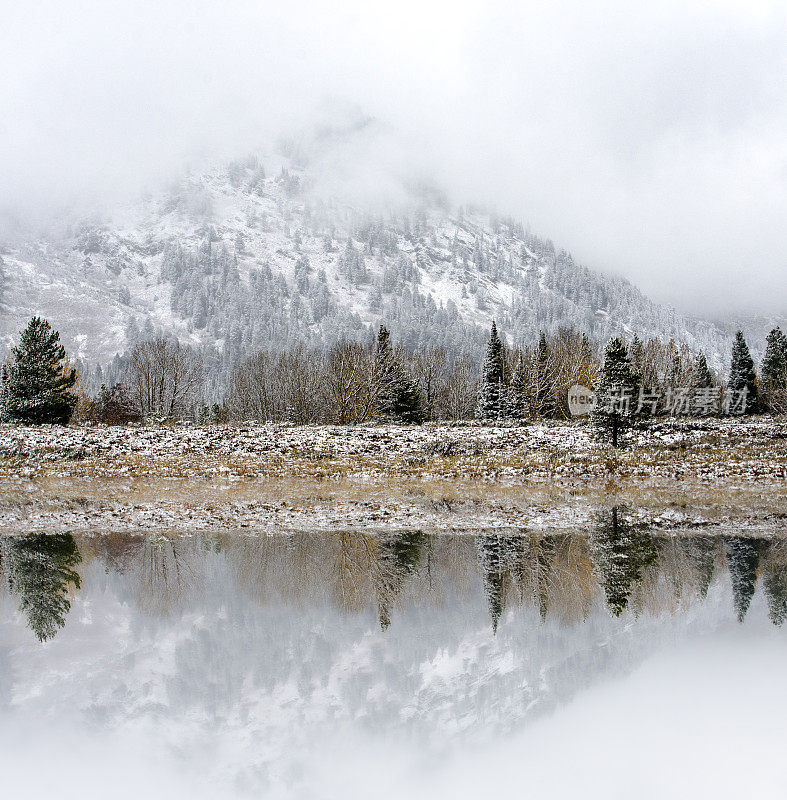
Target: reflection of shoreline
563,577
191,506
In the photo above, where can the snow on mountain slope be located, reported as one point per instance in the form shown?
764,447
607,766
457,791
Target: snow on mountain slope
239,259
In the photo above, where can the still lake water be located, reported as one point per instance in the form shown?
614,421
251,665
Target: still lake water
615,663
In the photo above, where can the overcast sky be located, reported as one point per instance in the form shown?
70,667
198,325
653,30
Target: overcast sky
648,138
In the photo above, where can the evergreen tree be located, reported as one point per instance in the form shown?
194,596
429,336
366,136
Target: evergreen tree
774,370
493,389
743,560
616,393
517,406
35,384
42,568
742,375
701,376
636,352
398,398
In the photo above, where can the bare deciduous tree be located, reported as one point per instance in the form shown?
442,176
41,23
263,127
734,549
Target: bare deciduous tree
163,378
349,389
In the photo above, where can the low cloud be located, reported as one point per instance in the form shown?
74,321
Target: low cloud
649,140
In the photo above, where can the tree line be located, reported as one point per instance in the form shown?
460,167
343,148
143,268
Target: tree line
354,383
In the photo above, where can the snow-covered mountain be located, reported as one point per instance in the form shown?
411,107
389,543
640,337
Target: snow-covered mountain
247,255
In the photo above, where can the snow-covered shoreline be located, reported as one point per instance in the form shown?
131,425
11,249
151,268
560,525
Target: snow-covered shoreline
717,474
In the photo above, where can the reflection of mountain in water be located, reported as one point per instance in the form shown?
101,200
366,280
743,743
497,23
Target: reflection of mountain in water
278,641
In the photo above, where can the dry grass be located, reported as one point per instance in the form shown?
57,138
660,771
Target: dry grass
252,476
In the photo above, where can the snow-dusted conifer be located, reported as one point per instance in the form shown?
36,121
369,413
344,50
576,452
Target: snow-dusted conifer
701,376
616,388
35,384
517,405
636,351
742,374
493,389
774,370
398,398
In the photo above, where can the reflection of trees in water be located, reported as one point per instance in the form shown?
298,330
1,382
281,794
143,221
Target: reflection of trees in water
40,571
560,576
747,558
681,573
164,571
161,568
117,551
743,560
353,562
775,581
702,552
621,553
397,556
494,554
545,571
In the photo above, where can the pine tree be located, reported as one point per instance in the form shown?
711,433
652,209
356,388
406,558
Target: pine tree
742,375
636,352
398,398
616,393
35,384
701,376
517,406
492,393
42,568
774,370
